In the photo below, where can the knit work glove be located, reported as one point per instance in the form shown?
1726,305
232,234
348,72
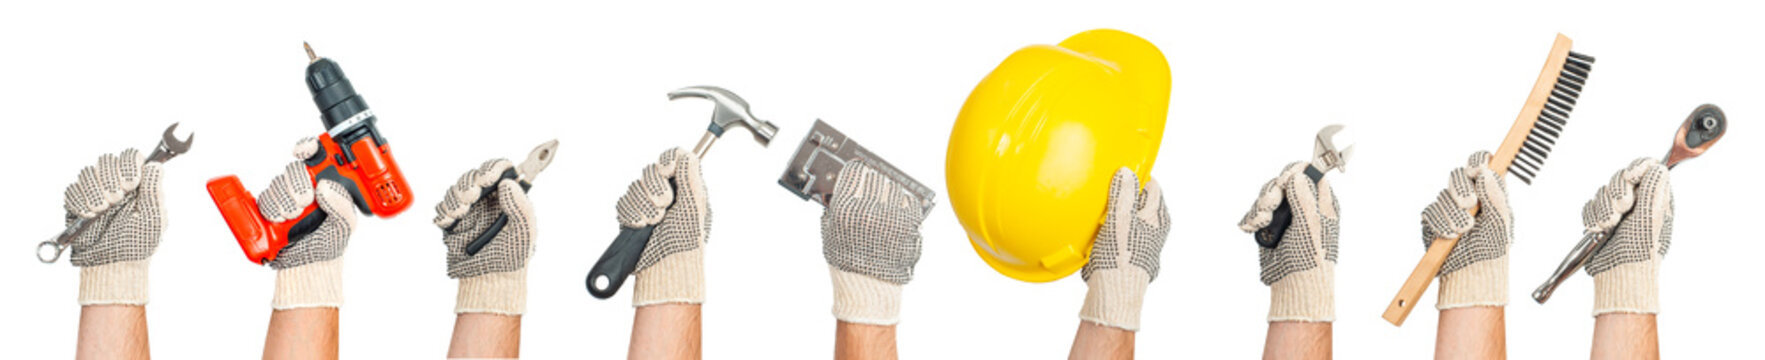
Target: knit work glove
309,271
494,280
1301,270
123,197
1476,272
1624,270
1124,258
672,267
870,237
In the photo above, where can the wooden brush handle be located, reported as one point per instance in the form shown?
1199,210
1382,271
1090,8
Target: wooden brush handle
1424,274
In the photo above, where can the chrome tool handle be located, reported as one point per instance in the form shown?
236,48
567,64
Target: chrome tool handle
1590,243
61,242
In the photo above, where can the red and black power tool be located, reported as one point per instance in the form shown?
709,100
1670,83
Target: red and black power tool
351,152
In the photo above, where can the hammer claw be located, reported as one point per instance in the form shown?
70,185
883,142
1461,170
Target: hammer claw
731,111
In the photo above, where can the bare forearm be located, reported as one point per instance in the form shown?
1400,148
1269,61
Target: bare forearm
1625,336
864,342
305,333
1102,342
478,335
1478,332
1298,340
666,331
112,332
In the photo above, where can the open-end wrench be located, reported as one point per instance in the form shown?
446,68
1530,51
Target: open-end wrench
620,259
168,148
1325,157
1701,129
522,174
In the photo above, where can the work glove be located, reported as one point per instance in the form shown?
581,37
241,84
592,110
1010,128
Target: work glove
870,237
1624,270
122,196
309,271
494,280
1301,270
1124,257
1476,272
672,267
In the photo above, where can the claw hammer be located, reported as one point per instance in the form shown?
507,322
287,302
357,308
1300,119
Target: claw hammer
620,259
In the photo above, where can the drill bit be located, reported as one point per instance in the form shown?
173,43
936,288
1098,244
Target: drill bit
310,57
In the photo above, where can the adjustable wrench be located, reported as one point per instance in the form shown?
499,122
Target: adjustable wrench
1325,157
620,259
168,148
1701,129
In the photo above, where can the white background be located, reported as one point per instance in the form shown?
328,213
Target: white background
1424,85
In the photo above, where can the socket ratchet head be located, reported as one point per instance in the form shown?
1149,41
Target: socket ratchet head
731,111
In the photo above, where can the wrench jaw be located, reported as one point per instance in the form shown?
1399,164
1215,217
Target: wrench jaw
1325,155
169,145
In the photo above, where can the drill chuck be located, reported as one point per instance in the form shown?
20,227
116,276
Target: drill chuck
336,98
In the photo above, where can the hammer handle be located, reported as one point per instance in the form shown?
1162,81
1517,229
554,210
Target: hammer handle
620,259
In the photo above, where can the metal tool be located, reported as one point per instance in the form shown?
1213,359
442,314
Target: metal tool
620,259
168,148
523,174
1701,129
825,151
1325,157
352,152
731,111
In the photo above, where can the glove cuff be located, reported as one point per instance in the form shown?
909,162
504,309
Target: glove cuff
501,293
1483,283
864,300
1115,297
1629,288
318,284
678,278
1307,296
117,283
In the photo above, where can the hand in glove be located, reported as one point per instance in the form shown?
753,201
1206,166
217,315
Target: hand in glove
1125,256
870,237
1639,204
1476,272
493,277
670,195
1301,270
309,271
122,196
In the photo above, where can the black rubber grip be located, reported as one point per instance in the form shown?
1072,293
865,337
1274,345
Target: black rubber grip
619,261
1270,236
502,220
621,257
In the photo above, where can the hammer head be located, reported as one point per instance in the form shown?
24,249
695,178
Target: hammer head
731,111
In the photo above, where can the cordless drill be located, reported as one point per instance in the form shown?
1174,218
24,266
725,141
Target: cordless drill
351,153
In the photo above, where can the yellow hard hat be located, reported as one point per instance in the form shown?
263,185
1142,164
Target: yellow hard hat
1033,151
